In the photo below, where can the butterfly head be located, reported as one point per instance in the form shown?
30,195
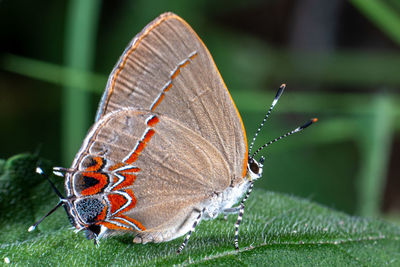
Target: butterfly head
254,169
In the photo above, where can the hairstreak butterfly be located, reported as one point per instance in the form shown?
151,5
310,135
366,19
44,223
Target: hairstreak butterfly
168,147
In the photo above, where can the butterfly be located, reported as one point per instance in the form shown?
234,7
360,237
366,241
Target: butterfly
168,147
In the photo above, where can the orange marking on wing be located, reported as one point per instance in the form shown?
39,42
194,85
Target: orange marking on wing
116,201
116,166
140,147
133,169
113,226
153,121
192,57
102,215
137,223
168,87
121,66
173,76
142,143
135,154
97,166
132,158
133,204
128,181
176,73
103,181
148,136
244,172
184,64
158,102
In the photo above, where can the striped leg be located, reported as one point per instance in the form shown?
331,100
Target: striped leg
230,211
239,220
190,232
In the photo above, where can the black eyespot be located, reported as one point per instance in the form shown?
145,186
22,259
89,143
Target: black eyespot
89,182
88,209
254,167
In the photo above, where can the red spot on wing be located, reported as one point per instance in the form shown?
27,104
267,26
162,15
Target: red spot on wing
137,223
114,226
142,144
148,135
116,201
97,166
129,170
193,56
184,64
117,166
129,179
117,221
103,182
133,204
176,73
134,156
102,215
161,97
173,76
168,87
153,121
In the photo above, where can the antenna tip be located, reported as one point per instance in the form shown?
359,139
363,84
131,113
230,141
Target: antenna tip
30,229
39,170
278,94
58,173
308,123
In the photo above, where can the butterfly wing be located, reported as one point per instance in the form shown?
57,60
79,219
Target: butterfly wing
167,69
152,173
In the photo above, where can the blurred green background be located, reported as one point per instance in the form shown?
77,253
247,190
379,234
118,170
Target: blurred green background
340,60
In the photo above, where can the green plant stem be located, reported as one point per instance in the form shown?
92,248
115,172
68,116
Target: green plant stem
375,150
81,28
380,13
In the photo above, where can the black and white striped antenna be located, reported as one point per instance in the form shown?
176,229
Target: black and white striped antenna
59,204
298,129
278,95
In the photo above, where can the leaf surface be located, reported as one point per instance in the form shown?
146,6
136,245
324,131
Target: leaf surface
277,230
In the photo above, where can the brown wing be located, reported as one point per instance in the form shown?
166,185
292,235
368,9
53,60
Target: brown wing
167,69
169,168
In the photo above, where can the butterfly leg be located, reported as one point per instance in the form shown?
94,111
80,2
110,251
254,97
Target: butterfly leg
228,211
231,210
196,222
240,216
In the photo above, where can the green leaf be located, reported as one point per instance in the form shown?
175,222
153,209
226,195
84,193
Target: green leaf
383,15
277,230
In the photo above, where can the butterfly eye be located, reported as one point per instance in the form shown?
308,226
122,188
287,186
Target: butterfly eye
254,167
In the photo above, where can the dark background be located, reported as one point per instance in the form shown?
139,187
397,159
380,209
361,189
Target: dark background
340,60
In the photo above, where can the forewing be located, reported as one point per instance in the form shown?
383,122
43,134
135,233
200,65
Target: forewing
167,69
